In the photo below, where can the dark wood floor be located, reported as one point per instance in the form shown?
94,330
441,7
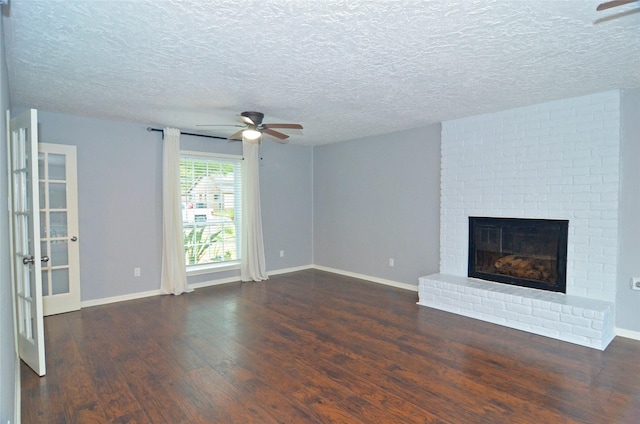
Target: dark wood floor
313,347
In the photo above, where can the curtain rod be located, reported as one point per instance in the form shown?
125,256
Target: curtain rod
186,133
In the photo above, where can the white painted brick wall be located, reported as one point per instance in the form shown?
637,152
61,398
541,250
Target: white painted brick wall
557,160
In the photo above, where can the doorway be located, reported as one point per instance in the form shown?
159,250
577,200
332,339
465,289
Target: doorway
59,228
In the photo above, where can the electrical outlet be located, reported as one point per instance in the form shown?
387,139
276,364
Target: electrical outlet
635,283
391,262
136,272
282,253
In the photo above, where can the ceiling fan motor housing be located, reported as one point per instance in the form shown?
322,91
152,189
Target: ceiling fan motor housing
256,117
253,124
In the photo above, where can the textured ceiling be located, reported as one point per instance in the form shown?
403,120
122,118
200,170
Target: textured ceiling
343,69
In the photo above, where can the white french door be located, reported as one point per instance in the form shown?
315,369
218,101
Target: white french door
25,243
59,228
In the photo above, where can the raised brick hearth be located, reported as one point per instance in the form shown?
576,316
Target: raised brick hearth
573,319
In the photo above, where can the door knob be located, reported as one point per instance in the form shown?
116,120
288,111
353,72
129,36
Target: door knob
45,259
74,238
28,260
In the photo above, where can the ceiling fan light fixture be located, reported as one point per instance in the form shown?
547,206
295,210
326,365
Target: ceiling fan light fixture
251,134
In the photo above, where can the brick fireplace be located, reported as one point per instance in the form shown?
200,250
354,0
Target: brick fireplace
558,161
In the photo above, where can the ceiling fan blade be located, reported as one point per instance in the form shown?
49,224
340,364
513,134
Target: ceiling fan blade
281,141
613,3
245,120
219,125
236,136
275,134
291,126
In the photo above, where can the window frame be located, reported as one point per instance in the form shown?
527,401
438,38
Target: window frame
226,265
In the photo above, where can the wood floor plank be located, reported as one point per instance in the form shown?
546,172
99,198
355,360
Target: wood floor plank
48,408
324,411
312,346
225,397
135,417
159,404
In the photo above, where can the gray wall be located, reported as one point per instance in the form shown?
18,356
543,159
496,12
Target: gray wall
286,197
120,200
8,361
378,198
628,301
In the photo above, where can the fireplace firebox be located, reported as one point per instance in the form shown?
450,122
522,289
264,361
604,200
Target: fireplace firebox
523,252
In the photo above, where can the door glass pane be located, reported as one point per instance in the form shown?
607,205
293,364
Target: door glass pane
23,234
43,225
58,222
28,326
45,282
41,165
28,192
18,192
57,195
42,194
60,281
57,167
59,253
29,286
43,249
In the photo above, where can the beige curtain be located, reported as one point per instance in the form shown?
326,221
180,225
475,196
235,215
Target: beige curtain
174,274
252,264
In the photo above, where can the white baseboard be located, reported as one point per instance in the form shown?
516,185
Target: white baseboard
132,296
628,333
114,299
392,283
214,282
237,278
288,270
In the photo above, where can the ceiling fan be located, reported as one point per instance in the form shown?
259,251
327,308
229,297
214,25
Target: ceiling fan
613,3
253,128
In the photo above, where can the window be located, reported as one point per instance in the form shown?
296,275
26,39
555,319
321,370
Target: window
211,199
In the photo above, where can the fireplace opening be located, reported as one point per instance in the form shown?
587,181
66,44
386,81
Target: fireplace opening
523,252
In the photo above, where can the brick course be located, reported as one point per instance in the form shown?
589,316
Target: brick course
587,322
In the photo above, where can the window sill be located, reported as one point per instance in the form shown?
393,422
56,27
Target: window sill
210,268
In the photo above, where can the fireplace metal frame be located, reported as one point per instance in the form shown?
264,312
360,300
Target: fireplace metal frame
561,227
